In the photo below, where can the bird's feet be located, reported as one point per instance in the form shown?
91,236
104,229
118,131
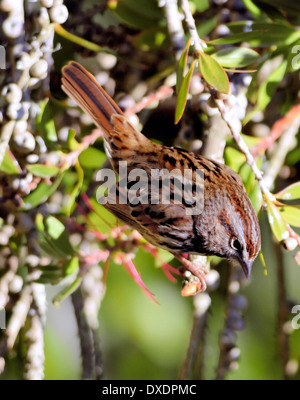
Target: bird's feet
195,283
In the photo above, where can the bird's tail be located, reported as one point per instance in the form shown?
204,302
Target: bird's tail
83,88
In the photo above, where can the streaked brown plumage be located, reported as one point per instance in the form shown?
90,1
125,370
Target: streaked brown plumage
227,227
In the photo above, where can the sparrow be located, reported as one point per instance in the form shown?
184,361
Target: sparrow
227,224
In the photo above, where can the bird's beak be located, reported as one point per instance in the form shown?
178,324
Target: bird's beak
247,267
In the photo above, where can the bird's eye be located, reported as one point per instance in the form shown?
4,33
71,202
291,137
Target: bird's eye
235,244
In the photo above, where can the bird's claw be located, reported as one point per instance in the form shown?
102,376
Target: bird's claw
195,282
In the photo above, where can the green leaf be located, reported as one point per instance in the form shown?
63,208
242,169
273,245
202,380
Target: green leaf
49,268
293,54
75,192
183,93
291,214
277,34
49,248
66,292
182,65
251,140
255,11
148,8
291,192
256,197
43,171
49,277
39,222
72,142
92,158
137,14
41,194
290,6
9,164
236,57
101,218
71,266
56,230
237,38
276,221
213,73
268,88
45,123
206,26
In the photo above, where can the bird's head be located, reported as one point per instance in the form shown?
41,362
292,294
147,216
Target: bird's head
240,232
234,231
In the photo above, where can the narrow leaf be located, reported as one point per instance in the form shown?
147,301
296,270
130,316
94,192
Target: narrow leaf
45,122
41,193
49,277
43,171
237,38
75,192
182,65
290,6
9,164
268,88
206,26
255,11
291,192
291,214
71,141
71,266
213,73
66,292
55,228
276,221
58,236
183,93
279,33
39,222
236,57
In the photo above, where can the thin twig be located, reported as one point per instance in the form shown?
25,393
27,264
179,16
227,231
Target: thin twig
191,26
174,24
85,335
235,303
98,356
193,364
